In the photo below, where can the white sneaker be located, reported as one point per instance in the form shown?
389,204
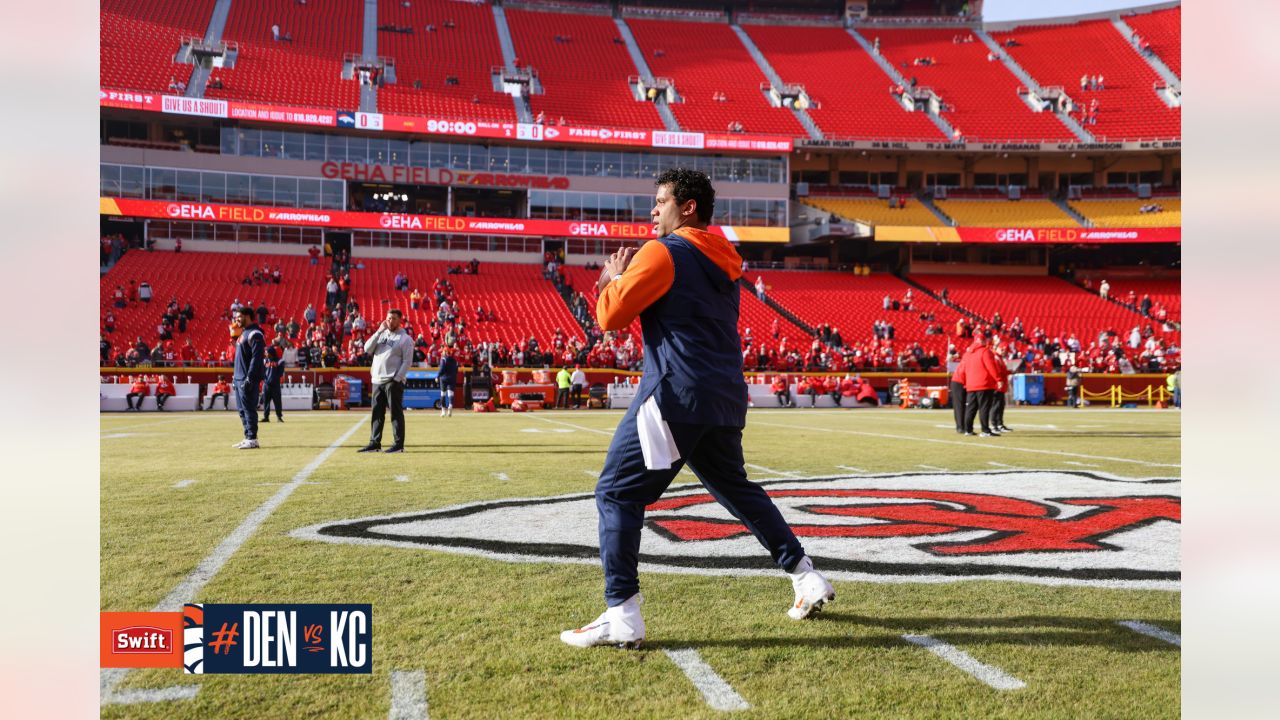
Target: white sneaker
450,411
812,590
443,411
248,445
620,626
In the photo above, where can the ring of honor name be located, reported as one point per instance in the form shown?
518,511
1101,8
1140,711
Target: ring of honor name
295,638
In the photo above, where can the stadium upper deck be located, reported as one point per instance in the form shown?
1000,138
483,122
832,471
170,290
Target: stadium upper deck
447,58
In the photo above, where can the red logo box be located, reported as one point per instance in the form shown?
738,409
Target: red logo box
140,639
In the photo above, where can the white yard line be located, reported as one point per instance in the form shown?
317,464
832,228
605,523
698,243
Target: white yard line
987,674
1158,633
129,697
718,693
993,463
1078,464
186,590
850,468
776,473
933,467
134,426
402,478
598,431
408,695
499,476
986,446
183,483
592,474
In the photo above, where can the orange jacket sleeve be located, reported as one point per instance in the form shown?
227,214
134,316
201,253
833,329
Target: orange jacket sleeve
647,278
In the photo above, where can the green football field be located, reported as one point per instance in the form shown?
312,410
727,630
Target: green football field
1063,616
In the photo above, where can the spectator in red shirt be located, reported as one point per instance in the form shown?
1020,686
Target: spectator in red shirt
997,411
223,389
188,354
164,391
314,252
138,390
781,389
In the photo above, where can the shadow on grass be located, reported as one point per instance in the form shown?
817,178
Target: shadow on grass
875,632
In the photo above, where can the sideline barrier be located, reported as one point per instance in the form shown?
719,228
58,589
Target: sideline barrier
1117,396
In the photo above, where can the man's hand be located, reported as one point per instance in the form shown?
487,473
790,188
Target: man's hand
382,326
616,264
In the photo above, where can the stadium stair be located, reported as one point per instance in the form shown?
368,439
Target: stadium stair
1072,124
464,46
563,80
947,131
642,68
1126,31
809,125
521,104
1066,208
1114,299
369,35
139,38
1042,301
1129,107
954,306
306,71
778,308
212,35
927,201
1163,30
705,58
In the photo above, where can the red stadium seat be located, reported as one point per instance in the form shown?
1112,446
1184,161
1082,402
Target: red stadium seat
703,59
1128,108
140,38
304,72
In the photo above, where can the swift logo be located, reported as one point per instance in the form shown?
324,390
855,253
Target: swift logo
142,640
1047,527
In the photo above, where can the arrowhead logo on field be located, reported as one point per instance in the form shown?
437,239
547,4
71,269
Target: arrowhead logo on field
1053,527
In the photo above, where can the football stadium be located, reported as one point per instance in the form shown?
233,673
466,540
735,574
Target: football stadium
932,258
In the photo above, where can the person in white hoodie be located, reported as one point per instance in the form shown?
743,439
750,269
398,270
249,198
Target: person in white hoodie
392,351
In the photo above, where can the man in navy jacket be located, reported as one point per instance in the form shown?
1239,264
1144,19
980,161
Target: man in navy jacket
690,406
250,369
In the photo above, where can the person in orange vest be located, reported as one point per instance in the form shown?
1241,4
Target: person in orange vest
138,390
220,388
781,389
981,378
164,391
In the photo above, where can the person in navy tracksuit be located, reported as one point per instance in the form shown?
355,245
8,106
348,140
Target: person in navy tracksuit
250,369
271,392
684,288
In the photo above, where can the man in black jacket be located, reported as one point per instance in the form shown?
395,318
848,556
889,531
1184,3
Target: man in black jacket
448,378
271,385
250,369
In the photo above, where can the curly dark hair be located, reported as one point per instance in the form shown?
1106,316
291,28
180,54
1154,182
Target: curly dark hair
689,185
